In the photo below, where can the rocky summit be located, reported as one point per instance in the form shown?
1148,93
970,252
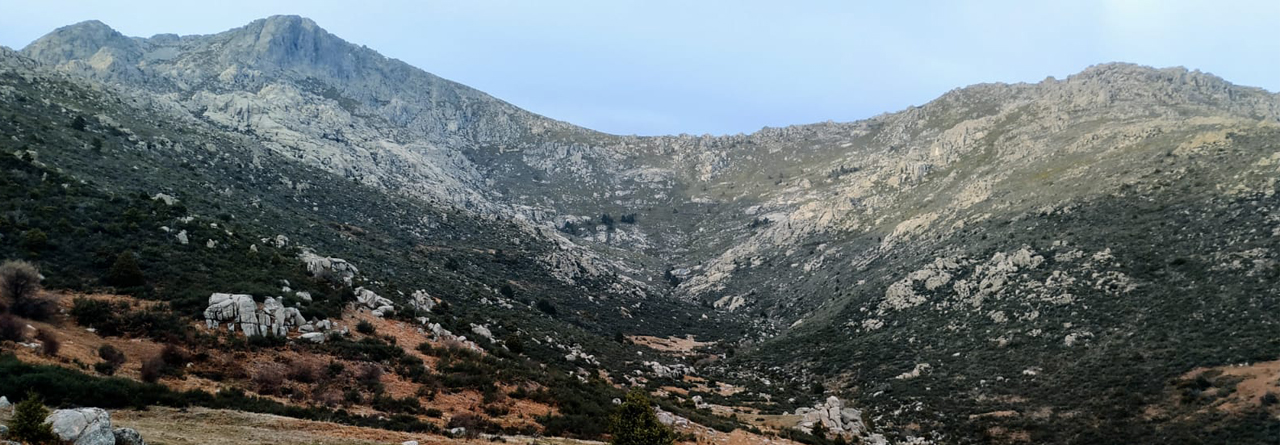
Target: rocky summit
279,221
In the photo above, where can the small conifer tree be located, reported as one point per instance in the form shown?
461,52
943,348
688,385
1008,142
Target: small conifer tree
27,425
634,423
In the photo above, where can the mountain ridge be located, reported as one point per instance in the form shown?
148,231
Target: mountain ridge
978,253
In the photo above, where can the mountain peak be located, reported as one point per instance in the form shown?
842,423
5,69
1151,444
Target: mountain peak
290,41
79,41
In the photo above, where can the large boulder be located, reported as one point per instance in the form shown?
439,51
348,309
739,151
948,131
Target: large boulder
422,301
128,436
282,318
381,305
233,309
4,403
333,269
482,331
83,426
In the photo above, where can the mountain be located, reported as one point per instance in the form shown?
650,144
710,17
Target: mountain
1051,262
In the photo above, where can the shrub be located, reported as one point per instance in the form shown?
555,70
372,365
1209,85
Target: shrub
34,240
269,378
392,405
19,283
365,327
35,308
514,344
119,319
125,271
334,369
546,307
111,355
370,375
174,357
352,396
634,423
152,368
474,424
18,280
304,370
49,343
10,328
105,368
27,424
329,397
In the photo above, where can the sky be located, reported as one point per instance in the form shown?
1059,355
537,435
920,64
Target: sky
653,67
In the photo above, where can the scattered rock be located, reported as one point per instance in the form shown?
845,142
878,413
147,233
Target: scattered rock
4,403
669,419
182,237
128,436
168,200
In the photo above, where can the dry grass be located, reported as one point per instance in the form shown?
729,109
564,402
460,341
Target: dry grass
670,345
1255,381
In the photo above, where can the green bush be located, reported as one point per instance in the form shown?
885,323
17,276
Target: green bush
27,424
125,272
34,240
634,423
118,318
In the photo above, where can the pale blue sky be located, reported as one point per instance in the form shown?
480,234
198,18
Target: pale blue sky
664,67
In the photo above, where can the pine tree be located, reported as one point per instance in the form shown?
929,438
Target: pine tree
634,423
27,425
125,272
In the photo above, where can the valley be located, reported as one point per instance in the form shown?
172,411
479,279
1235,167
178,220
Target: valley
373,253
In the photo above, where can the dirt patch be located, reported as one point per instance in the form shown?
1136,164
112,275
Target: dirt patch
218,427
704,435
1005,413
1253,382
670,345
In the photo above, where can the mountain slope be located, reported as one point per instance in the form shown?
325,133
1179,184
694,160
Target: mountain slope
1029,248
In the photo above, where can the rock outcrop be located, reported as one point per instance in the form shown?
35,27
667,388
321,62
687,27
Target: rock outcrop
421,301
834,417
381,306
333,269
240,312
83,426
